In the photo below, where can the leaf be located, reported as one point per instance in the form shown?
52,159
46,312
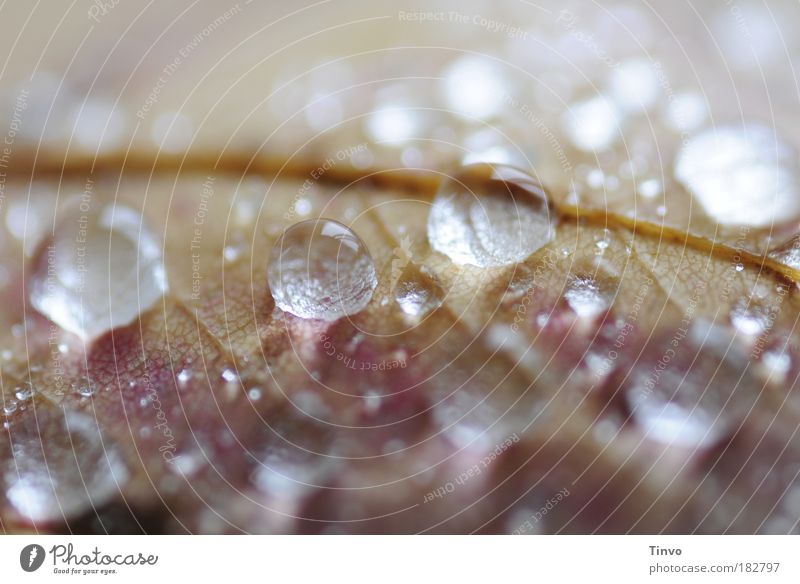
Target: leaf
515,394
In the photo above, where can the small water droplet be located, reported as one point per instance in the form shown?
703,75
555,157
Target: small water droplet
686,112
489,216
184,376
741,175
634,84
254,393
392,124
593,124
85,387
9,408
650,188
694,395
230,376
320,269
98,272
739,267
777,365
750,318
418,294
231,253
474,86
584,298
24,392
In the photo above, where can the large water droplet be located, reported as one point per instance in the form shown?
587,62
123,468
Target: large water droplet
98,271
59,467
321,269
690,391
741,176
489,215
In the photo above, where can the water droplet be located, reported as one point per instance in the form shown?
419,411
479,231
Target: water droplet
634,84
739,268
60,467
320,269
741,176
393,124
303,206
474,87
692,395
584,298
230,376
686,112
777,365
650,188
231,253
254,393
184,376
593,124
98,271
9,408
489,215
418,294
85,387
24,392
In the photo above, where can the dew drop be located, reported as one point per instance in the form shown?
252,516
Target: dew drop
392,124
321,269
650,188
98,271
24,392
60,468
692,396
584,298
741,176
10,407
489,215
634,84
473,86
184,376
230,376
593,124
418,294
85,387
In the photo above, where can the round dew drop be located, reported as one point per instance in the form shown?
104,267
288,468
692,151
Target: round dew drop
320,269
489,215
